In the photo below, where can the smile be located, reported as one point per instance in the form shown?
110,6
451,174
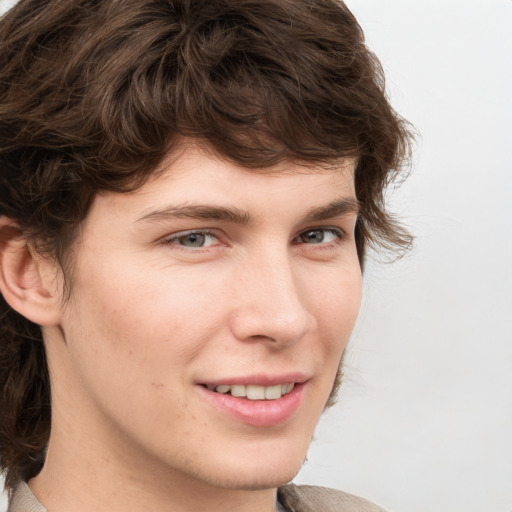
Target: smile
257,405
254,392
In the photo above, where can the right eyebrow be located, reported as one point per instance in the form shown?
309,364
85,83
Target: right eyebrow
197,211
342,206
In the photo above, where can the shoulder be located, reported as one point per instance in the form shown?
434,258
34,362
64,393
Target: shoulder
309,498
22,500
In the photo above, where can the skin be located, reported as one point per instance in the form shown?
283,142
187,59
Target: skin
152,315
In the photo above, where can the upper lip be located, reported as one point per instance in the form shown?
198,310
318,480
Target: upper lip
259,379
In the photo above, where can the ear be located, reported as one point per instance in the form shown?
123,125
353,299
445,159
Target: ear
28,281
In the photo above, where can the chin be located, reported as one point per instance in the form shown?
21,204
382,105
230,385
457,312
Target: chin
266,478
248,472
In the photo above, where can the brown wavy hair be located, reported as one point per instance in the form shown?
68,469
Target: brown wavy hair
94,93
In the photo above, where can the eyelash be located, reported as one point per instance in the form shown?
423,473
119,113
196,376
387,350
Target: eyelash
184,234
338,234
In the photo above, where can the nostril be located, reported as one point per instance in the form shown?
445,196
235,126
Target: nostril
261,337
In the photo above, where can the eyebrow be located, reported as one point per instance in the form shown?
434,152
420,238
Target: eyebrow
199,211
342,206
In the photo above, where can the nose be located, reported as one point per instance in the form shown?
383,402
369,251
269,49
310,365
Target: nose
270,302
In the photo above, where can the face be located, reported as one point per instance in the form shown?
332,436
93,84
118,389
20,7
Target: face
208,316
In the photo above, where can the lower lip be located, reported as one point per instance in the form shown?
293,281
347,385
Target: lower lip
257,413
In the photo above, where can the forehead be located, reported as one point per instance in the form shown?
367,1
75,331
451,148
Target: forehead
195,174
203,165
187,151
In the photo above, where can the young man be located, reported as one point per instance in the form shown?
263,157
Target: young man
187,191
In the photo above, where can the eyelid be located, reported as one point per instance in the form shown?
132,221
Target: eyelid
339,232
169,239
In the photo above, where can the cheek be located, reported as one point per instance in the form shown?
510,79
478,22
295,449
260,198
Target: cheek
337,303
129,345
337,311
153,319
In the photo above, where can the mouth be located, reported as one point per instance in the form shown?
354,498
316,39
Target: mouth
257,405
253,391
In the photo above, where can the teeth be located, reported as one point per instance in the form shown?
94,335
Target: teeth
238,390
253,392
273,392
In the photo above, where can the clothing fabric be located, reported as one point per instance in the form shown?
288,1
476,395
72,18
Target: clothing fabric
310,498
23,500
292,498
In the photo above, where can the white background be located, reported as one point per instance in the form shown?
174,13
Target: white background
424,421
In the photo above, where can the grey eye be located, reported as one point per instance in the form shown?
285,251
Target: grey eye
319,236
315,236
193,240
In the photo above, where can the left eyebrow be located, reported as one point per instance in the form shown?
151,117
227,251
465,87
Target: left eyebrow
197,211
343,206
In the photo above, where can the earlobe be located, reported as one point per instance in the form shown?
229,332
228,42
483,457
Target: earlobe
25,277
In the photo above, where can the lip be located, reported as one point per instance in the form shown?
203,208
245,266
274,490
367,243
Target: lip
260,380
257,413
